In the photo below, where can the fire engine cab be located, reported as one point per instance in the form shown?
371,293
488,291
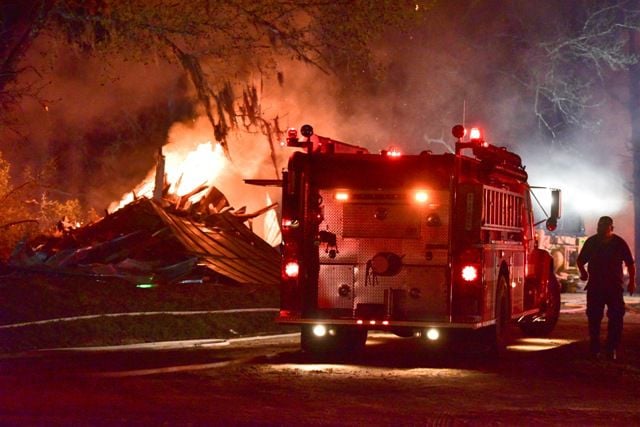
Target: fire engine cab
425,245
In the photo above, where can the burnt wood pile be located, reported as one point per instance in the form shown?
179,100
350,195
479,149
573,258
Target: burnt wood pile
160,241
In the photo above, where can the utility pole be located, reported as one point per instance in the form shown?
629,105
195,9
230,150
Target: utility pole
634,119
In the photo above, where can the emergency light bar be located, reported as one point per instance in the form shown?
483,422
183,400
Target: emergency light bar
475,134
393,152
292,139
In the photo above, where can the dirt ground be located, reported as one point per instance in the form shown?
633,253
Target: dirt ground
269,382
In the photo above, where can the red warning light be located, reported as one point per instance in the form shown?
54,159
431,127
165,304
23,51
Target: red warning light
292,269
393,152
475,134
469,273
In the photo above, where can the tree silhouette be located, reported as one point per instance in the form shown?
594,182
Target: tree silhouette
210,39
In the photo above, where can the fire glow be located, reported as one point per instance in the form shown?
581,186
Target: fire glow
185,170
200,166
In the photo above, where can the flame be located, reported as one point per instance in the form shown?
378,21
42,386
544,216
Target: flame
272,233
200,166
185,170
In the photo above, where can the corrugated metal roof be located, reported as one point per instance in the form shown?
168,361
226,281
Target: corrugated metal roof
227,247
146,241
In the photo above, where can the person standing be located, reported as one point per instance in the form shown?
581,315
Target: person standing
604,253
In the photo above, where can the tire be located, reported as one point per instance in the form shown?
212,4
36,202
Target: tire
503,315
497,336
542,324
356,340
308,343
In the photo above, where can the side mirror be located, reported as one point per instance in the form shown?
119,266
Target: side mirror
555,211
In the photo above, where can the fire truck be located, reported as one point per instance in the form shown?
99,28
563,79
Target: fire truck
437,246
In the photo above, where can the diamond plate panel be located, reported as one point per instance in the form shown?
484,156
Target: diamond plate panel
330,280
420,292
416,233
383,220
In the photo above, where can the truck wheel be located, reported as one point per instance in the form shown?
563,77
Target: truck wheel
354,340
312,344
503,315
543,323
497,336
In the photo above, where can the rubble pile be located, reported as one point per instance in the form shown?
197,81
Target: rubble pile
165,240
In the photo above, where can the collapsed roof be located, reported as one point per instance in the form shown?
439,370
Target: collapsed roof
159,242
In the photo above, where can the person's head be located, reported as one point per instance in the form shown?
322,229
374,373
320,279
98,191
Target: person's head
605,226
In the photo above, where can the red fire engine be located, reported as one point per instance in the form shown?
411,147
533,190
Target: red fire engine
419,245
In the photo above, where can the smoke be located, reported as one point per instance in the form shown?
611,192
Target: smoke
594,173
82,113
433,79
589,189
430,78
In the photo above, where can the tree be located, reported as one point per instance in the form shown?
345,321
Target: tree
606,42
210,39
25,210
593,43
582,58
634,117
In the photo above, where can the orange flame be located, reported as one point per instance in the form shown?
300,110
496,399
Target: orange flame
200,166
184,170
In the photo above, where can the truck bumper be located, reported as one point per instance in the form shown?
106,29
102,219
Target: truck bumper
384,324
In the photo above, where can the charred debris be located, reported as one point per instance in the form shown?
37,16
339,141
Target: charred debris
167,239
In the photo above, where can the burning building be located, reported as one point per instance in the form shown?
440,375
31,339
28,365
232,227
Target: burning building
175,226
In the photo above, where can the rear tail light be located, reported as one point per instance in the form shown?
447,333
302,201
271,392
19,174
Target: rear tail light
421,196
291,269
342,196
469,266
469,273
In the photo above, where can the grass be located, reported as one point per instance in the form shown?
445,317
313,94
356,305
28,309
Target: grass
27,297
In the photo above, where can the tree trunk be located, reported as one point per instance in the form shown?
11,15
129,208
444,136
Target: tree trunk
634,117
